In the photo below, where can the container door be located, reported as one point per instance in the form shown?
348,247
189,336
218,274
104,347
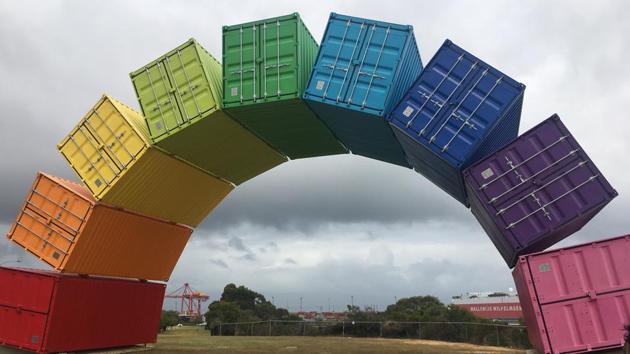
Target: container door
191,86
88,156
594,268
429,97
541,183
119,140
475,110
588,324
279,41
337,59
30,290
23,329
157,100
381,52
241,53
50,221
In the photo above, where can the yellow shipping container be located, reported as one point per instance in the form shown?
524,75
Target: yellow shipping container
110,151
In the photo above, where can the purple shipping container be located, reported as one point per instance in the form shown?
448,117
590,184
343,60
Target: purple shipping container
536,191
576,299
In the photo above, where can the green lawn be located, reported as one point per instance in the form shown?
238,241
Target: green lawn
197,340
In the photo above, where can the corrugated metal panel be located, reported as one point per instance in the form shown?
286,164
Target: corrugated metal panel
577,299
112,157
180,94
460,109
168,188
80,313
73,233
536,191
291,127
363,68
266,66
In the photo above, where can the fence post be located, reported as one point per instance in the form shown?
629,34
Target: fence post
381,323
220,330
269,328
303,328
419,330
498,339
343,328
252,329
236,330
466,332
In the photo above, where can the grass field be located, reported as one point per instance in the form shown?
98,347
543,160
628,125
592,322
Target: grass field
196,340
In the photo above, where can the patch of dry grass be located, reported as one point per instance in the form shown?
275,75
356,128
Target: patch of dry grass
197,340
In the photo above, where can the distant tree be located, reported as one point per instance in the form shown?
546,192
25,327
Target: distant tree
417,308
168,319
222,312
245,298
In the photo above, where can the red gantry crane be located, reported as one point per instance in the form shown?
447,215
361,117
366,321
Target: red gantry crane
191,300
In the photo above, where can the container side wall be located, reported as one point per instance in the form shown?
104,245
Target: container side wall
427,163
504,133
87,314
182,193
362,133
221,146
290,127
122,244
540,188
408,71
309,48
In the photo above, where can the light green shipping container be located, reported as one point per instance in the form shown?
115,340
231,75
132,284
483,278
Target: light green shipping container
180,94
266,67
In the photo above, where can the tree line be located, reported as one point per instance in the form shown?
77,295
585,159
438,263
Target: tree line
238,304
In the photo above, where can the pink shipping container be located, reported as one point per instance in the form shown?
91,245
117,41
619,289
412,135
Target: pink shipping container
576,299
46,312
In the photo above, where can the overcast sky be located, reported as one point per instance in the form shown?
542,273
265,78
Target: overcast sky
330,227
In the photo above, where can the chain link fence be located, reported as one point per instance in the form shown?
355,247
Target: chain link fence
467,332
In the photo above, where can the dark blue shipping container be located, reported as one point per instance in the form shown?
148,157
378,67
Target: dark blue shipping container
458,111
362,70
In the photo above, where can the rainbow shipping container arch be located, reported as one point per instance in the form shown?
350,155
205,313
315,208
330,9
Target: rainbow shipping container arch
207,127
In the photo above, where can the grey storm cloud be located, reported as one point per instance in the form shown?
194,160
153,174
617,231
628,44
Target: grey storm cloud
219,263
237,244
58,57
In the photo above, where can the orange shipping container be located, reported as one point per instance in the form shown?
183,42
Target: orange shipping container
63,225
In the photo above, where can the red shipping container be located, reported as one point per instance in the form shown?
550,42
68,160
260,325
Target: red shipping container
46,312
576,299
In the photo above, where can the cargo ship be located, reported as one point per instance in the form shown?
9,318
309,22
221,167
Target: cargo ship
500,306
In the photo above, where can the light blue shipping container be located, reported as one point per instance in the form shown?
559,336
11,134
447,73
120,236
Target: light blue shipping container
362,70
458,111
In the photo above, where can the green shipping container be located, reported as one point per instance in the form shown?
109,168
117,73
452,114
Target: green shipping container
266,66
180,95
